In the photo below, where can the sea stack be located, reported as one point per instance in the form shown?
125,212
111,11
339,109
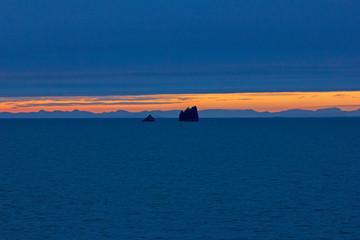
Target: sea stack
149,119
189,115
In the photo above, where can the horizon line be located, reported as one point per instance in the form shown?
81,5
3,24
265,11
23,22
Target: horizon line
172,110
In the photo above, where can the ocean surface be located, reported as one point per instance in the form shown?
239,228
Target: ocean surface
216,179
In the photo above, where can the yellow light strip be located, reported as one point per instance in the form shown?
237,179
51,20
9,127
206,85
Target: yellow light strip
269,101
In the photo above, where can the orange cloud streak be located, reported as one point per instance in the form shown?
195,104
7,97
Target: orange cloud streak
272,102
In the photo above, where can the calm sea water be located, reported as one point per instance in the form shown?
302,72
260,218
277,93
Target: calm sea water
215,179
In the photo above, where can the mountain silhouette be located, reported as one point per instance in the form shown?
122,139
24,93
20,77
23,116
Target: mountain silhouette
209,113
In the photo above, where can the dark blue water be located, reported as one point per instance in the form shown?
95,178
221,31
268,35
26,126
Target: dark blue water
216,179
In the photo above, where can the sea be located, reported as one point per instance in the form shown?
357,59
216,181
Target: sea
273,178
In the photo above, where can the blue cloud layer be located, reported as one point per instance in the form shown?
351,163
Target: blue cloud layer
88,47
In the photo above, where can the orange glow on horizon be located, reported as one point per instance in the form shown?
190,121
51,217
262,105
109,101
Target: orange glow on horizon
269,101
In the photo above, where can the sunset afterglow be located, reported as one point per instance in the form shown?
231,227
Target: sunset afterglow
270,101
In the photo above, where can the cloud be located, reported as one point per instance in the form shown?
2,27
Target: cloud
232,99
341,95
271,79
89,104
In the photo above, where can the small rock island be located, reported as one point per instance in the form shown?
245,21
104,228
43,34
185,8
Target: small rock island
149,119
189,115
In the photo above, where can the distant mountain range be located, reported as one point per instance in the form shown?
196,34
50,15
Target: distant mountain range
210,113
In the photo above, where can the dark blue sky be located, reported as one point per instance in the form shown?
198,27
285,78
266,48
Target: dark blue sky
90,47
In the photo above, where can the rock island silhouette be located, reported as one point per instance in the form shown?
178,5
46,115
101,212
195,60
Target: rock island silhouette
189,115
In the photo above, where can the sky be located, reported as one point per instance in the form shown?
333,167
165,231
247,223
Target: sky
86,50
